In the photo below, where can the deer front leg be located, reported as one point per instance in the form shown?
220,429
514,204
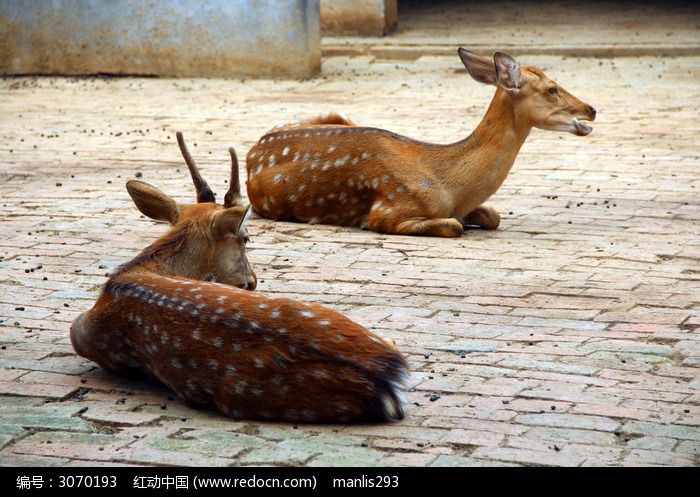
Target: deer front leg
483,217
446,227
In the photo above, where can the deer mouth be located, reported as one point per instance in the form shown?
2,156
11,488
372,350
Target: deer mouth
581,128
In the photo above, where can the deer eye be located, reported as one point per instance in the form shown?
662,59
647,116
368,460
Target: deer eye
553,90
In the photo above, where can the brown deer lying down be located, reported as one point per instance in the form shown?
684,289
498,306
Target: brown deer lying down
180,312
329,170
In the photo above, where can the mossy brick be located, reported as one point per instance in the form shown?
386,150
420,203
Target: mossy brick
347,456
524,362
9,403
689,447
526,456
26,461
412,459
276,454
658,430
9,432
586,422
653,443
574,435
208,443
37,389
452,461
147,451
72,445
109,415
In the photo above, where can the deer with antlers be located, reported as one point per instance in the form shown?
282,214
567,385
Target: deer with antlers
329,170
182,312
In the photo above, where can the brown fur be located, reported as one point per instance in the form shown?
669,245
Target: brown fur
329,170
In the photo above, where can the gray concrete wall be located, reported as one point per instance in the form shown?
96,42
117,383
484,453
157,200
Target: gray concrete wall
218,38
358,17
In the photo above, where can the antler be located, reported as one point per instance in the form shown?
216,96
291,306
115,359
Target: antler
204,193
233,195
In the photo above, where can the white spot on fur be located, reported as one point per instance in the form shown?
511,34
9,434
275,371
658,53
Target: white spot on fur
330,149
285,151
342,161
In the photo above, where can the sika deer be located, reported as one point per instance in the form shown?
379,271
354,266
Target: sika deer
328,170
180,312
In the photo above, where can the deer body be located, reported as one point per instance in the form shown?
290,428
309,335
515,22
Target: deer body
181,312
329,170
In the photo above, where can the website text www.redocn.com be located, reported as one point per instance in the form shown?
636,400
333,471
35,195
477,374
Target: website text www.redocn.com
254,482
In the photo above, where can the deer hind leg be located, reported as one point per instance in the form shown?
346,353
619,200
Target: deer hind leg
337,118
445,227
484,217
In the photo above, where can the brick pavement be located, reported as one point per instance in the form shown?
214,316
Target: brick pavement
567,337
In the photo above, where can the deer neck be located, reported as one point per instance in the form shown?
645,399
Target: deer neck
170,255
478,165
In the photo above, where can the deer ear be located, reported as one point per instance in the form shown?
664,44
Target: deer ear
152,202
507,72
230,221
479,68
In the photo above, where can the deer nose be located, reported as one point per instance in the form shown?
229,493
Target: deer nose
592,112
251,283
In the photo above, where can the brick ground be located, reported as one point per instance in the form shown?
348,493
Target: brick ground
567,337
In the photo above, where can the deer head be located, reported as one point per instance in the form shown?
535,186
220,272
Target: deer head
538,100
207,240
